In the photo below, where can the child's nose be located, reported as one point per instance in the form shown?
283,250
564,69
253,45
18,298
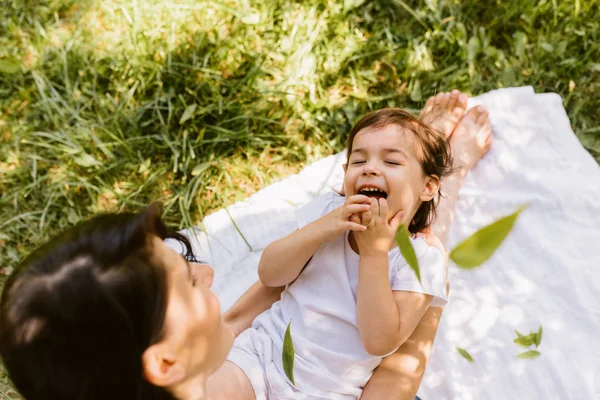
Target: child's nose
370,168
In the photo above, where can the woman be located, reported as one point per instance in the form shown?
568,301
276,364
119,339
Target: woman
106,310
81,312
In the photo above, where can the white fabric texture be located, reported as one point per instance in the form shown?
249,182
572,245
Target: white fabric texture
545,273
330,360
253,353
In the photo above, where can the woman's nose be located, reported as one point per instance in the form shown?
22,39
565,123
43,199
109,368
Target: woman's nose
204,273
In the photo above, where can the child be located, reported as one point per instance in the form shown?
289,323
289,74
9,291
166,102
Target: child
351,296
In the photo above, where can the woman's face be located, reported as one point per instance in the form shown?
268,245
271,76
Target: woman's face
194,328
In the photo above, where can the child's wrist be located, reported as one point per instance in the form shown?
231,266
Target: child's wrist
321,229
374,254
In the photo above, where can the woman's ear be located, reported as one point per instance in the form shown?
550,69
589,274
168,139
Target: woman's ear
161,367
432,186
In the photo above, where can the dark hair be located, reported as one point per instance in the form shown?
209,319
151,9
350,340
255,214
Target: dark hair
435,159
78,313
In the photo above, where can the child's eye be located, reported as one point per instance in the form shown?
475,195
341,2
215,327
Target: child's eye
392,162
357,162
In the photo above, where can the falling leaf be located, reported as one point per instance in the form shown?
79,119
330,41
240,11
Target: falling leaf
188,113
530,354
525,340
534,338
479,247
288,354
465,354
407,250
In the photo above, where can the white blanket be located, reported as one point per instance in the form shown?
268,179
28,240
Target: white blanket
545,273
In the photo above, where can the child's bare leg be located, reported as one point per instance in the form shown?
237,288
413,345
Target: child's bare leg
444,110
469,142
229,382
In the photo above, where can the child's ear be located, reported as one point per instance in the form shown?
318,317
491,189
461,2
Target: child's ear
432,186
161,366
345,166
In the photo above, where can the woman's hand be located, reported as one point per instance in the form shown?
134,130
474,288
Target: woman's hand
344,218
378,237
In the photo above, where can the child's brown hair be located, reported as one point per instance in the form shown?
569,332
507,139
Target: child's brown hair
435,159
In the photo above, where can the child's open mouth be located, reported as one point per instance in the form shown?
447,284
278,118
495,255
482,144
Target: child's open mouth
373,192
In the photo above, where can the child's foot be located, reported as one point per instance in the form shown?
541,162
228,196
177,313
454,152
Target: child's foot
444,110
472,138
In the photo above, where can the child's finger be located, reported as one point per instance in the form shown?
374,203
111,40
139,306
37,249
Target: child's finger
366,217
350,209
358,198
351,226
383,208
355,219
396,220
375,209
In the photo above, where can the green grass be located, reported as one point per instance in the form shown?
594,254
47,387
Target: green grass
107,105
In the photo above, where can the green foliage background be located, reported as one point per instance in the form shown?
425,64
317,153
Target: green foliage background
107,105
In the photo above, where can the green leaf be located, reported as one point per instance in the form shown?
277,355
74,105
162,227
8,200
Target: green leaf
465,354
479,247
519,334
407,250
188,113
145,165
415,93
534,338
526,340
530,354
288,354
10,66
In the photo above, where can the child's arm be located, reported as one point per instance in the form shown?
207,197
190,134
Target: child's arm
399,375
385,318
283,260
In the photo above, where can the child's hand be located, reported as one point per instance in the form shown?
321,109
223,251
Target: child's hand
380,234
345,218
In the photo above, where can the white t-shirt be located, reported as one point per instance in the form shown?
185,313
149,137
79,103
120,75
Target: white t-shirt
330,359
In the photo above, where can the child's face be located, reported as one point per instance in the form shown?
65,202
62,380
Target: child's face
384,163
